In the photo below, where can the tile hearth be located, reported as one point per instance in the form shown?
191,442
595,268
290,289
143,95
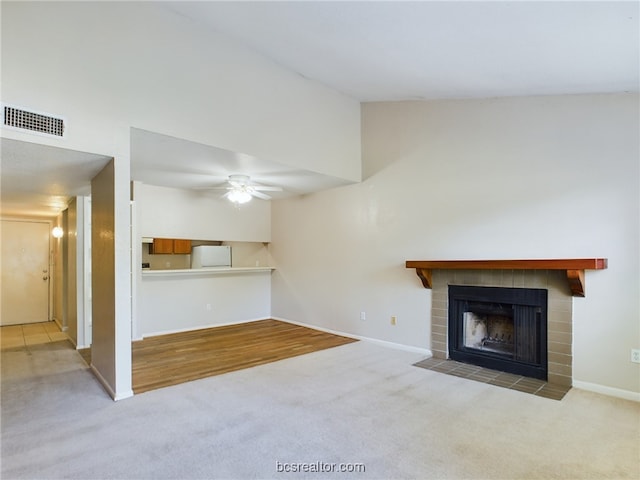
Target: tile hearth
533,386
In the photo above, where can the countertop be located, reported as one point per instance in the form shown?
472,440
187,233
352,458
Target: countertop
204,271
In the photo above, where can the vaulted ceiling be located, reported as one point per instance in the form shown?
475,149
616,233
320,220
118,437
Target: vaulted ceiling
396,50
371,51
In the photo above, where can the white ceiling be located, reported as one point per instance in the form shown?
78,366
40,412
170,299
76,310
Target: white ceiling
394,50
37,180
172,162
372,51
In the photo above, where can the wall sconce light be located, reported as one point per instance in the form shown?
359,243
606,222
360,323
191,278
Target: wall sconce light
57,232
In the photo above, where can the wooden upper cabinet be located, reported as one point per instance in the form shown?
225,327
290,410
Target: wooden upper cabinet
182,246
170,245
161,245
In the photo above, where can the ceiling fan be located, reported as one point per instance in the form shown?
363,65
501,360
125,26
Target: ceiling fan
241,189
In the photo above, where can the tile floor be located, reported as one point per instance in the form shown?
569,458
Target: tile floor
494,377
16,336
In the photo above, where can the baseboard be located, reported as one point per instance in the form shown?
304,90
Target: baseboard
201,327
384,343
75,345
108,388
610,391
62,329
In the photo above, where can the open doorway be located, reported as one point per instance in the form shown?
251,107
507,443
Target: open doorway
46,278
39,181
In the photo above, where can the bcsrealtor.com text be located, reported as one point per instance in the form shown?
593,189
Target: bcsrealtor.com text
319,467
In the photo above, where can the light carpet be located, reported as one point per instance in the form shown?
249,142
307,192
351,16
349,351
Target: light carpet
357,406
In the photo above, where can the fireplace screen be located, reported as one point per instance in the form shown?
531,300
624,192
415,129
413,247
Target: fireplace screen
500,328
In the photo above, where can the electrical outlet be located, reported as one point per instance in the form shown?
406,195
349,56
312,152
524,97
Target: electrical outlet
363,316
394,320
635,355
208,306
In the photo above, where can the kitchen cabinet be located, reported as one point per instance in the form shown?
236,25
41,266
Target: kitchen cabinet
170,245
182,246
161,245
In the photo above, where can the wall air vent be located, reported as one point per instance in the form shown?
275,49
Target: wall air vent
32,121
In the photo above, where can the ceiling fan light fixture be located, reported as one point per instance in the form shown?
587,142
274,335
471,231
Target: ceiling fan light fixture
238,180
239,196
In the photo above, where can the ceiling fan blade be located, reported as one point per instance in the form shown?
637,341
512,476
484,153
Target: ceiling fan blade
263,196
264,188
212,188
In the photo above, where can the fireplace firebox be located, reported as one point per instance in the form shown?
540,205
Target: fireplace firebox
499,328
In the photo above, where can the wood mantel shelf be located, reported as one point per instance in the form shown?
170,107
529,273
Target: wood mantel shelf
574,267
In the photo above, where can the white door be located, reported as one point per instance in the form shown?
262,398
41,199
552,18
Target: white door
25,272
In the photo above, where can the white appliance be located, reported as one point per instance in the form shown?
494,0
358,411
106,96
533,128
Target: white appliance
204,256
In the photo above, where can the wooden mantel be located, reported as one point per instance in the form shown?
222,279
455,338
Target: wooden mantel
574,267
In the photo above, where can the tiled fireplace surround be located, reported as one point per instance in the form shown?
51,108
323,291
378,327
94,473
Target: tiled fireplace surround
559,310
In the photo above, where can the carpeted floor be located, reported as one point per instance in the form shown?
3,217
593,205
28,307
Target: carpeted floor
359,406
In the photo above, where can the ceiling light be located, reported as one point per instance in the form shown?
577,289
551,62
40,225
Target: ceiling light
239,196
57,232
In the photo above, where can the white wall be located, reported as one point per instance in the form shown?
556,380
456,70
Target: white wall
115,65
174,302
164,212
540,177
74,262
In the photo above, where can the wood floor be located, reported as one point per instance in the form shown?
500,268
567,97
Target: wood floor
172,359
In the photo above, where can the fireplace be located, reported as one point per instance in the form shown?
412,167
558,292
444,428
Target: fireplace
561,278
499,328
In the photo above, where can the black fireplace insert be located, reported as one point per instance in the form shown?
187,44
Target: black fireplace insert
499,328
